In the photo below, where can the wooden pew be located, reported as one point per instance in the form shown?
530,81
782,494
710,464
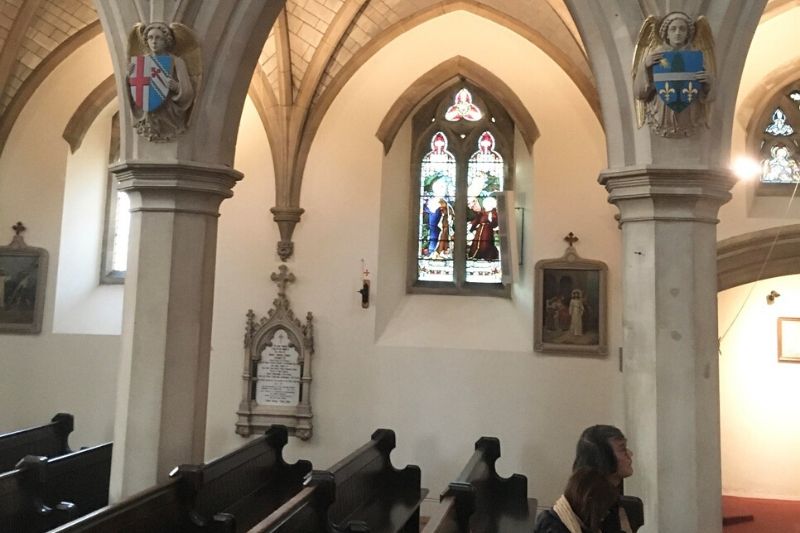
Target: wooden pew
44,493
22,509
307,511
480,500
229,494
361,493
49,440
634,508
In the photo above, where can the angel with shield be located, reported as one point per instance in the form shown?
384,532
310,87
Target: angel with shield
163,75
673,74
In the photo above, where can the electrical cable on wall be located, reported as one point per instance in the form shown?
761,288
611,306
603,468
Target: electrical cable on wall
760,271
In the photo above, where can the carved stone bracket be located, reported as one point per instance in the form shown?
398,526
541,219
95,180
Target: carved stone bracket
287,218
277,367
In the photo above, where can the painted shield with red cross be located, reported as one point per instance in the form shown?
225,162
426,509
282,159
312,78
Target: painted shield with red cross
148,79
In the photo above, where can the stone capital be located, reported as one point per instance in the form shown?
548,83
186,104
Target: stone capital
176,187
668,194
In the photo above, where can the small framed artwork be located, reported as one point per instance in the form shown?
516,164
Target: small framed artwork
23,275
789,339
571,302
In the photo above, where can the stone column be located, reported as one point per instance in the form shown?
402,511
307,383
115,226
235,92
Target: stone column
169,291
671,373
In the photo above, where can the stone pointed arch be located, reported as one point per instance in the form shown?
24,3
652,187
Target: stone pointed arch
176,188
87,112
231,36
443,74
40,74
758,255
584,82
754,104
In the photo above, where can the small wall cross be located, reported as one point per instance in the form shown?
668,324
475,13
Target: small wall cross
282,279
571,238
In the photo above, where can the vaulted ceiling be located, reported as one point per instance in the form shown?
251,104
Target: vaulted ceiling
314,48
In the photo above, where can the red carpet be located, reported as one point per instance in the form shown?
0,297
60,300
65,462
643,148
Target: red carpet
769,516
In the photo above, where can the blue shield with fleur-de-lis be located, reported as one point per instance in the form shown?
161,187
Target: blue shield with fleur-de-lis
675,78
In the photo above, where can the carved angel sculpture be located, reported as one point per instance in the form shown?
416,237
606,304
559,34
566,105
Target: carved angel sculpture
673,74
163,75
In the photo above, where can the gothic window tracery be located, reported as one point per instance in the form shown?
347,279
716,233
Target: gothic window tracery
463,155
774,138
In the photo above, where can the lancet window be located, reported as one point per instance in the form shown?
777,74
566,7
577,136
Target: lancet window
461,167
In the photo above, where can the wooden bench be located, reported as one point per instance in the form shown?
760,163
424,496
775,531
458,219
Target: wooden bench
361,493
44,493
307,511
634,509
49,440
229,494
480,500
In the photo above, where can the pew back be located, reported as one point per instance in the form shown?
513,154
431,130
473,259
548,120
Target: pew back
228,494
480,500
307,511
156,510
44,493
371,495
49,440
248,484
363,492
634,508
81,478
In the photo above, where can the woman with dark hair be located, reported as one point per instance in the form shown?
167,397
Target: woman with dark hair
605,449
586,502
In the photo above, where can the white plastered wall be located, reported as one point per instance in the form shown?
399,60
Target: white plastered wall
759,395
439,370
759,431
50,372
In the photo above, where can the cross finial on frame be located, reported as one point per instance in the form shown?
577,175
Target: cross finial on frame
571,238
18,228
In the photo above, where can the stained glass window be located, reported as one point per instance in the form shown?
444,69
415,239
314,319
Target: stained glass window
463,108
484,178
779,127
437,195
463,157
781,167
774,137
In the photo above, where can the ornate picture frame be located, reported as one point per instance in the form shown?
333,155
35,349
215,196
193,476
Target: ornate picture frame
23,278
788,339
571,304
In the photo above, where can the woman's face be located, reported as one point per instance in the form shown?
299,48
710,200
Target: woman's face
677,32
624,457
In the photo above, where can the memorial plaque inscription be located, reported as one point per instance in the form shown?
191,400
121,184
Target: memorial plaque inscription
278,372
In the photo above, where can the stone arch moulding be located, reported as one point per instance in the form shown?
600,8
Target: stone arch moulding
441,75
740,258
755,103
40,73
87,112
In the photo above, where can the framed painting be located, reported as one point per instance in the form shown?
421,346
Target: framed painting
23,275
571,305
789,339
